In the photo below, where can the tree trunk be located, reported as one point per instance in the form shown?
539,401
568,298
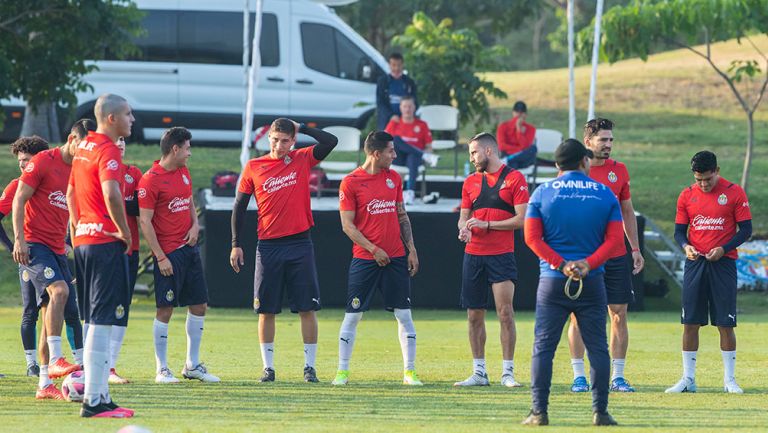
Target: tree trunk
43,121
748,155
536,42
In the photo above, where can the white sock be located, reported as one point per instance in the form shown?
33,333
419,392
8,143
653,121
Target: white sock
30,356
85,331
160,333
115,344
508,366
729,365
268,355
310,352
406,332
43,381
347,338
578,367
618,368
77,354
96,364
689,364
479,365
194,337
54,347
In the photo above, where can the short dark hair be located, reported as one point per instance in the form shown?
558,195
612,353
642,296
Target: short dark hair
594,126
82,127
407,98
283,125
395,56
703,162
520,107
485,139
377,140
31,145
175,136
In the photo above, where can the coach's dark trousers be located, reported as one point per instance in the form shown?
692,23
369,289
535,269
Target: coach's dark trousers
552,310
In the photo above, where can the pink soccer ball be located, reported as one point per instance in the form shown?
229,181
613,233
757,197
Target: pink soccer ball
73,386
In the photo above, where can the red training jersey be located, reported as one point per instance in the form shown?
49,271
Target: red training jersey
374,198
169,194
281,188
416,133
712,217
514,192
46,215
132,177
6,199
614,175
512,140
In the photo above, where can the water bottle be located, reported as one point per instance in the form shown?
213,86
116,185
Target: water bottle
466,168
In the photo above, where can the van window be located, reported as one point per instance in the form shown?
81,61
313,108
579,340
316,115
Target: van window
217,38
327,50
202,37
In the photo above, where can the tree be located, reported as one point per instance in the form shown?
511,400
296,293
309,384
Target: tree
45,47
634,30
444,62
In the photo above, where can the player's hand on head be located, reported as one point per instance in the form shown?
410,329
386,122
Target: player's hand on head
236,259
638,262
413,263
715,254
192,235
21,252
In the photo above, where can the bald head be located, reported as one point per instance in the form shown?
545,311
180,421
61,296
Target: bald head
108,104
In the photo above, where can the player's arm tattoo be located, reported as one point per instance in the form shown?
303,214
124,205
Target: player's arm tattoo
405,227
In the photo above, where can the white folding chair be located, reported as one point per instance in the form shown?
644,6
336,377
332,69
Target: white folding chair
443,118
547,141
349,141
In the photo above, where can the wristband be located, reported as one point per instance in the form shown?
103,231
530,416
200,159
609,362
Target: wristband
488,226
635,250
162,260
373,251
561,267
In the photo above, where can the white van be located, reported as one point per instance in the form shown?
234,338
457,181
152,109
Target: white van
314,68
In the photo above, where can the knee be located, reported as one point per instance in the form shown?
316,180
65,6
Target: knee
164,314
198,310
58,292
351,319
29,318
619,317
476,318
506,314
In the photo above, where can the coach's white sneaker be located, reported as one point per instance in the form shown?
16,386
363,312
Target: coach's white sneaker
477,379
409,196
165,376
200,373
732,387
686,384
509,381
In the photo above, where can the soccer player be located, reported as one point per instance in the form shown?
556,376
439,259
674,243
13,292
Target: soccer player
374,218
285,258
102,240
713,219
40,218
598,137
574,225
23,149
132,176
169,222
493,204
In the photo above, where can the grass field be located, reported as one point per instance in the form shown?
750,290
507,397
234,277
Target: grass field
374,400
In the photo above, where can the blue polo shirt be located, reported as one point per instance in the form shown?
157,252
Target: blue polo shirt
575,211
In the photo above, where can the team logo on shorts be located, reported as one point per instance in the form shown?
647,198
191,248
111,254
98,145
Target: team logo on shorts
119,312
612,177
185,179
30,166
287,160
25,276
48,273
256,303
112,165
142,193
169,296
390,184
723,199
355,303
128,178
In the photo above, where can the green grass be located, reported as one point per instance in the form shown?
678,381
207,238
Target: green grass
375,400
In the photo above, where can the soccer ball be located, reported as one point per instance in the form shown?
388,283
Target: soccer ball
73,386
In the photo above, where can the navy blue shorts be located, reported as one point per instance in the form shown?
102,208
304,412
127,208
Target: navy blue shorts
393,281
618,280
102,271
480,272
133,270
285,264
187,285
709,288
33,280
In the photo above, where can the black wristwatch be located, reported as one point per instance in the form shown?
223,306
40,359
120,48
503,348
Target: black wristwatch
561,267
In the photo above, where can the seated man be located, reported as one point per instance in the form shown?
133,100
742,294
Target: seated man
517,138
413,144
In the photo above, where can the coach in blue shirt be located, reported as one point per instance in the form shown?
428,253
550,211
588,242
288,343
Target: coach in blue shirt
574,225
390,89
